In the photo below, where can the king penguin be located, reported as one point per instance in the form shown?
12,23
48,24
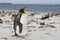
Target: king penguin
20,23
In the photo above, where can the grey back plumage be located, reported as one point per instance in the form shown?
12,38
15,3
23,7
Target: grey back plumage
18,17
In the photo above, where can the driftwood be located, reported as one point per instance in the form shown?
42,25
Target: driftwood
1,21
47,26
45,17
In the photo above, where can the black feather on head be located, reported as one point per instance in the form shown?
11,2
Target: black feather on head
22,10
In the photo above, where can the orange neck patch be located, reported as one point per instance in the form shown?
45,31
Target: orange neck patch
23,14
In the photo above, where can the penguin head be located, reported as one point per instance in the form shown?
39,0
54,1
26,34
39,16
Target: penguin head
22,10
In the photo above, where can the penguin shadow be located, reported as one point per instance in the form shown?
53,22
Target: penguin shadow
21,37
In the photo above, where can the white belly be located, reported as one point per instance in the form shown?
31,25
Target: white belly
24,29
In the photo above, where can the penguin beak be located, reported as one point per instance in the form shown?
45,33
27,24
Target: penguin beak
24,8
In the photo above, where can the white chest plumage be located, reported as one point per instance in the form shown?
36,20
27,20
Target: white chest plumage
23,20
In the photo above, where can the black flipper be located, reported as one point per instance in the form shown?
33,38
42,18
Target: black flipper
20,27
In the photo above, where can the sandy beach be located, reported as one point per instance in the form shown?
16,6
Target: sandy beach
41,26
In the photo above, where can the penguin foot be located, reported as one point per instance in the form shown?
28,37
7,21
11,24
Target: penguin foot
21,36
15,34
20,31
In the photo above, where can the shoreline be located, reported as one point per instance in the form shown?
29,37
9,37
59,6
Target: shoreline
30,11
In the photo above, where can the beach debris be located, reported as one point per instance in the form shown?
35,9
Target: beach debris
47,26
51,14
8,13
42,23
13,15
7,21
0,12
29,30
45,16
6,38
12,18
56,14
1,21
32,14
3,12
31,20
2,15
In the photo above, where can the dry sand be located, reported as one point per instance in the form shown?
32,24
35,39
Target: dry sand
50,30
